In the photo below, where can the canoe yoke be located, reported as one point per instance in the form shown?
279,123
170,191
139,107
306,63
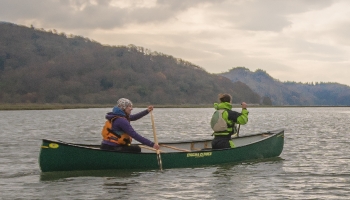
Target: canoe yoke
180,147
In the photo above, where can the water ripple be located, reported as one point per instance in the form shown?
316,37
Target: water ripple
313,165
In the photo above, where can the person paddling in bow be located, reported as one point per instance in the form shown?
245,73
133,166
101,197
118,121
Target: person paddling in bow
224,122
118,133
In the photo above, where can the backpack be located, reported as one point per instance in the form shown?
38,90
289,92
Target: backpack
217,123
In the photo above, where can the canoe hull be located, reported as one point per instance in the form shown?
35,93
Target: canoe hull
60,156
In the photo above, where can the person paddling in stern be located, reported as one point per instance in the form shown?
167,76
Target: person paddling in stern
118,133
224,122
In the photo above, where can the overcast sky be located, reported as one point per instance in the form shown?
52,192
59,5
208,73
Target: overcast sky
292,40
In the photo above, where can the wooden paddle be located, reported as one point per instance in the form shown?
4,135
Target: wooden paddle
156,142
239,126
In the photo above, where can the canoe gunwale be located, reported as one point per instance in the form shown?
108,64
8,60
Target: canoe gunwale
93,147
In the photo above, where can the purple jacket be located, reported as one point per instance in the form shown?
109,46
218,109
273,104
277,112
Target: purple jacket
123,125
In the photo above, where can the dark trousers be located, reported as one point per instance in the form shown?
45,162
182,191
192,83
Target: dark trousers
221,142
131,148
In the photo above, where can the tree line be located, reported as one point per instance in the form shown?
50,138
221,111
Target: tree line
38,66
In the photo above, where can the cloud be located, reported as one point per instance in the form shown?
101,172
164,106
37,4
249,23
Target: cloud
91,14
267,15
299,40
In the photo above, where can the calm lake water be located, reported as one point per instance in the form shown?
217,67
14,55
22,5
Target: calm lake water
315,162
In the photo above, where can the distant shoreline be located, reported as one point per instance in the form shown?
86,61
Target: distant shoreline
83,106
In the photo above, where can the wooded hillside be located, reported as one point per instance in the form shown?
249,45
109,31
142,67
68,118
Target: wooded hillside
39,66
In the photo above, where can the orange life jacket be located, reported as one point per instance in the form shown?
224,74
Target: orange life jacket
109,135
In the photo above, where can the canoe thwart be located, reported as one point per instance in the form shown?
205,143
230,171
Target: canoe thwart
206,145
149,148
175,148
193,148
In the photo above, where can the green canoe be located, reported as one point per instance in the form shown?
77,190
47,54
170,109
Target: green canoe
62,156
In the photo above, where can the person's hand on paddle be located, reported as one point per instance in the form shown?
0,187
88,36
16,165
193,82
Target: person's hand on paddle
156,146
244,105
149,108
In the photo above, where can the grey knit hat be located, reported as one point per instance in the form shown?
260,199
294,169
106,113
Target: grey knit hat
123,103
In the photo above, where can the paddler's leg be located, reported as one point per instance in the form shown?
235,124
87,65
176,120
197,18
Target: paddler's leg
220,142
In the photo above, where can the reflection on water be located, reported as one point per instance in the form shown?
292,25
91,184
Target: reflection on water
50,176
112,174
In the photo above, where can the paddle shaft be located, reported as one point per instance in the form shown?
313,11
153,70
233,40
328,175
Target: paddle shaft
156,142
154,129
239,126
